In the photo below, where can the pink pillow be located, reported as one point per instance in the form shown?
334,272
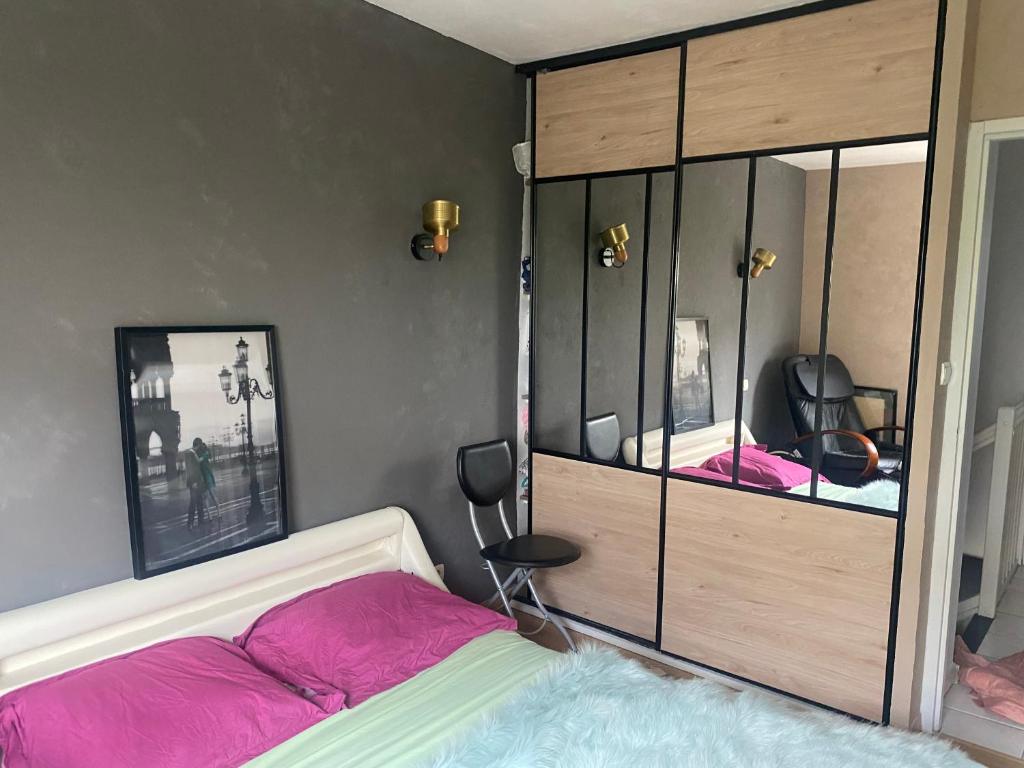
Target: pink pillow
344,643
705,473
760,468
184,703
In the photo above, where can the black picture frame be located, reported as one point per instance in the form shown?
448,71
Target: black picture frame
698,410
145,528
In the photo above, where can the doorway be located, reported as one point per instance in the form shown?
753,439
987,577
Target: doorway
977,585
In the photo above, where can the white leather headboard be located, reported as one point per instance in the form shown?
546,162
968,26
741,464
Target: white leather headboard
220,597
688,449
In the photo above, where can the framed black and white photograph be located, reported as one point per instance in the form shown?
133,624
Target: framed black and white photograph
692,405
201,432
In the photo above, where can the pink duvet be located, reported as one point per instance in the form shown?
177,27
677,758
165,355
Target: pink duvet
344,643
997,685
758,469
188,703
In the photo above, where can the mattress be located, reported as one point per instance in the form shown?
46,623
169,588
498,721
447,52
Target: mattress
412,721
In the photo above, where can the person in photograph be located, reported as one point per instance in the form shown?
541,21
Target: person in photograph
196,482
206,467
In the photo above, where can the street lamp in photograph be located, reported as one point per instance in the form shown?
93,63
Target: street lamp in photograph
248,388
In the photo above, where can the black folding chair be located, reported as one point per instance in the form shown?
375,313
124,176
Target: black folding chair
485,473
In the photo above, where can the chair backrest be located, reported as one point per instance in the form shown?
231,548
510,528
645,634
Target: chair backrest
602,436
485,471
838,409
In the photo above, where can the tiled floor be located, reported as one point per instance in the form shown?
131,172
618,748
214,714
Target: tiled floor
965,720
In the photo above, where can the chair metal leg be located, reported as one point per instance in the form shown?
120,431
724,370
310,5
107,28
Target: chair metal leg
497,594
511,589
557,622
501,591
520,582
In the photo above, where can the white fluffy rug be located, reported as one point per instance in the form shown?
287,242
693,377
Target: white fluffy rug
598,709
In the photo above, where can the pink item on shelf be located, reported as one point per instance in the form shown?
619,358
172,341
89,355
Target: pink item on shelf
998,686
344,643
759,468
196,701
707,474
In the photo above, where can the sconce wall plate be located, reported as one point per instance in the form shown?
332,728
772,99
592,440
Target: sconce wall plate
440,218
422,247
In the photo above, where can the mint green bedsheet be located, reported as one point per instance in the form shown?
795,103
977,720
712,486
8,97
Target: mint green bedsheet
411,722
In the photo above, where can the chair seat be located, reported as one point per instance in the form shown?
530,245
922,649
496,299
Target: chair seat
532,551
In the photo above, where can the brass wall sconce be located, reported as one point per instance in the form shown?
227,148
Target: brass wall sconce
614,241
440,219
761,260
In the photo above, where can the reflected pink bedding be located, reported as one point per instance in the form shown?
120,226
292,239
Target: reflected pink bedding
708,474
997,686
186,703
344,643
758,467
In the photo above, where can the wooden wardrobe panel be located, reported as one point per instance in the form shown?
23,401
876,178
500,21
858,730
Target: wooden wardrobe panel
613,514
786,593
608,116
858,72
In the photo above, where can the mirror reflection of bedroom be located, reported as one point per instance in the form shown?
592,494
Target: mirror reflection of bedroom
748,376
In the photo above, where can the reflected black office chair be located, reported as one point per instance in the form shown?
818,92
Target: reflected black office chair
602,437
851,454
485,473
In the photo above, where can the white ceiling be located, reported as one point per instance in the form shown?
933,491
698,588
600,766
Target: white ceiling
857,157
527,30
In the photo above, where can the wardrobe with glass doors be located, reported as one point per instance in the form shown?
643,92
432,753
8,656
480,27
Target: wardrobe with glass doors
727,247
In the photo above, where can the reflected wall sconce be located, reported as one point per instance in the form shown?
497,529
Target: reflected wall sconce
761,260
614,254
440,218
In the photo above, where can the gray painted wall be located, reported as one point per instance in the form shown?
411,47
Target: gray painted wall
613,360
1001,368
711,245
613,335
558,303
773,308
713,218
249,162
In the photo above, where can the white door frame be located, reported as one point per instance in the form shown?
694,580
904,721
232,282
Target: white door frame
958,418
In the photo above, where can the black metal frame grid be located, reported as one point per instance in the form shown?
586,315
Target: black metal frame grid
585,317
826,298
678,170
741,350
642,363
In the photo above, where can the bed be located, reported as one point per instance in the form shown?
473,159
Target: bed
707,453
687,448
497,699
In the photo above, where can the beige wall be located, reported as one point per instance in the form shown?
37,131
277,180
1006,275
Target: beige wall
874,268
999,69
917,615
